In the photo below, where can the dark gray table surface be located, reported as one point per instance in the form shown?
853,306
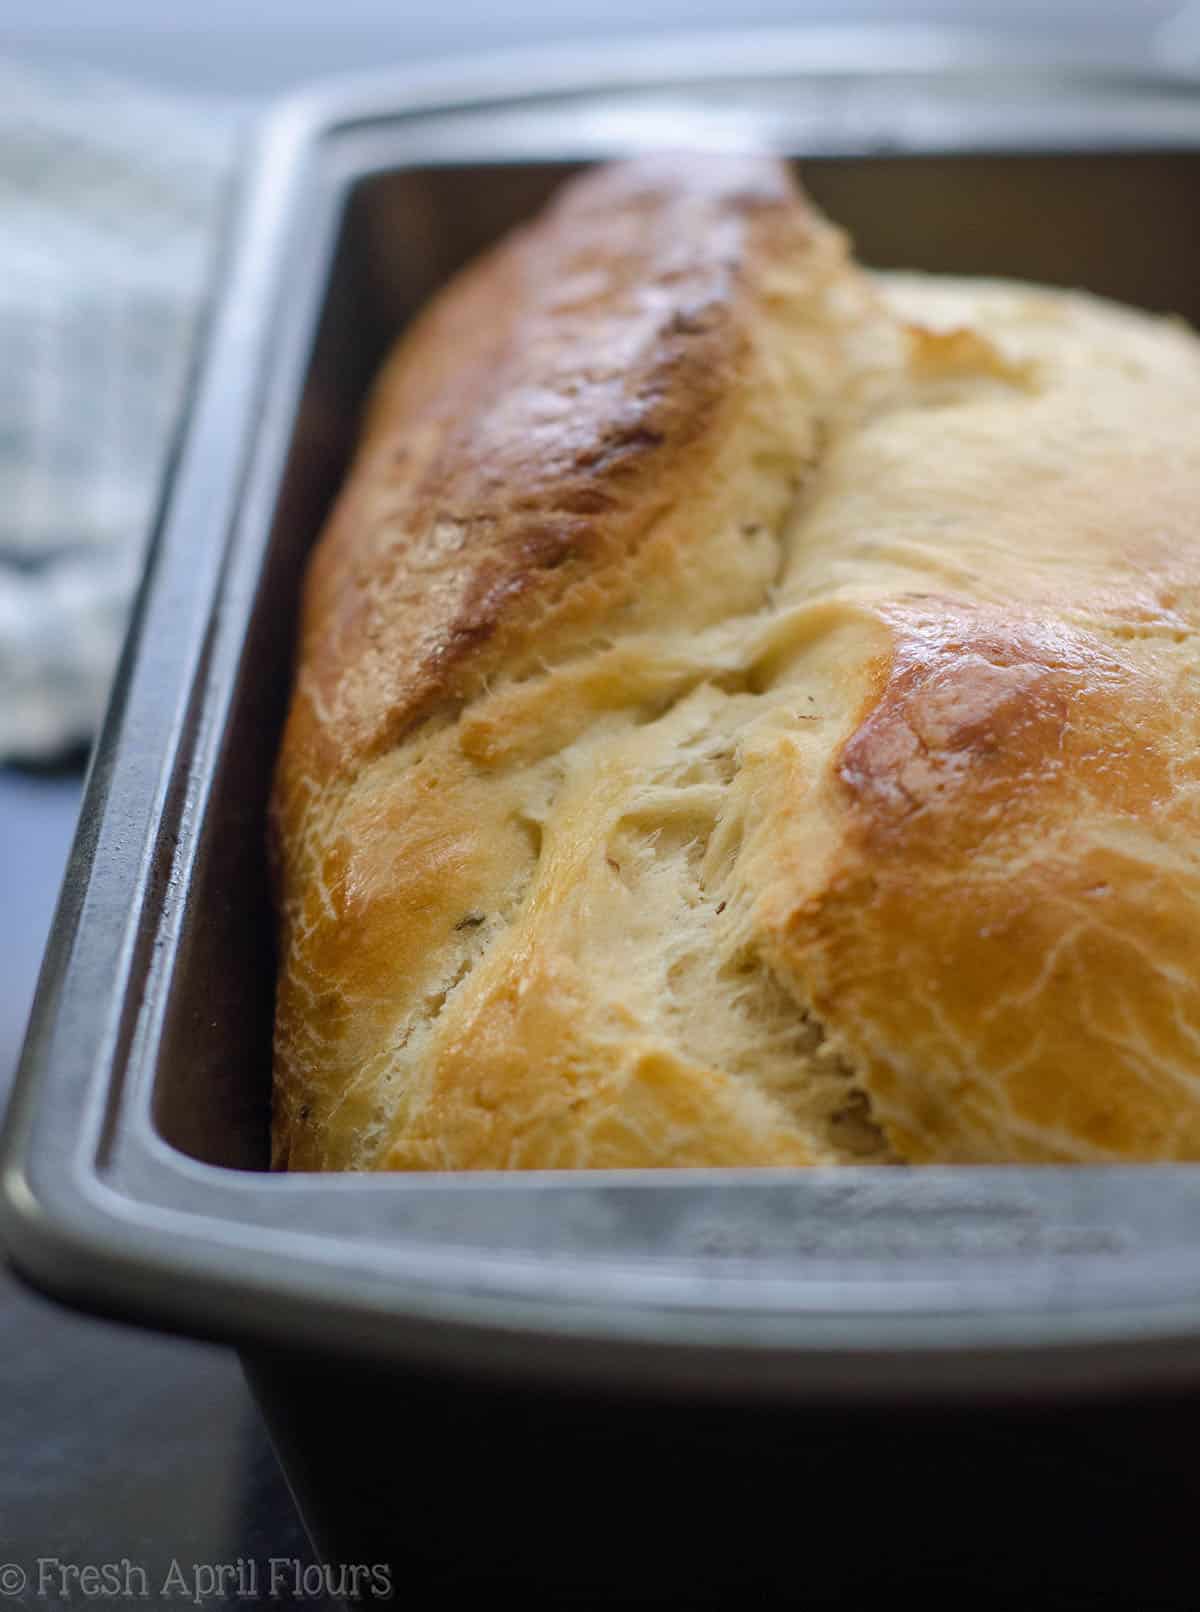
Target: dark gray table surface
117,1446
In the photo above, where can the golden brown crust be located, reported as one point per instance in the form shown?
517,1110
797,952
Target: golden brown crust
1012,985
519,436
746,715
531,453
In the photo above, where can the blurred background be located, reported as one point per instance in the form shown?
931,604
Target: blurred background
256,47
122,123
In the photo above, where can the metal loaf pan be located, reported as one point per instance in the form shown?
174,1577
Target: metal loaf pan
715,1349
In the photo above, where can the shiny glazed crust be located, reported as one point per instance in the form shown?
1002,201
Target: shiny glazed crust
745,714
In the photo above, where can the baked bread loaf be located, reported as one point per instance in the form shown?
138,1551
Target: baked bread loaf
746,714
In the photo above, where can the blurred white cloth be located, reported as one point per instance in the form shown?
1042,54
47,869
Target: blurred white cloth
109,204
